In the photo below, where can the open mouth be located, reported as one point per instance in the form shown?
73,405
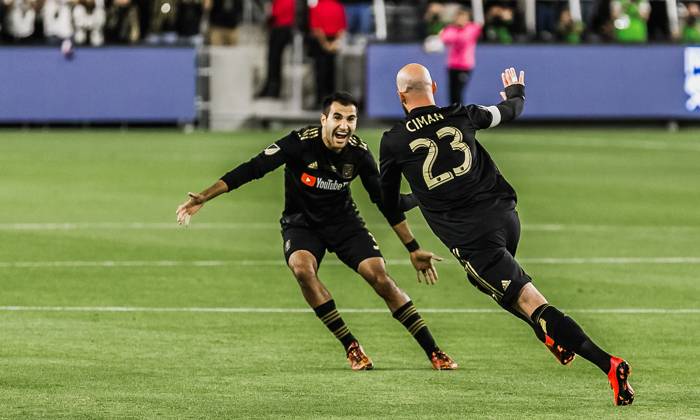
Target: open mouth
341,135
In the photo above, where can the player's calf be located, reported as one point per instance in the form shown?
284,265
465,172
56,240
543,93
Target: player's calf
565,330
328,314
560,353
409,317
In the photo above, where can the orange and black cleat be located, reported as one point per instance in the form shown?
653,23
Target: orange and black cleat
620,370
442,361
563,355
357,357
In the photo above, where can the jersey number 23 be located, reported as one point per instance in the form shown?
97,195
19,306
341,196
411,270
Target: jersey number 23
457,144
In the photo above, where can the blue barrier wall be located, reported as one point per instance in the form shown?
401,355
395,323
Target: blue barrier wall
562,82
130,84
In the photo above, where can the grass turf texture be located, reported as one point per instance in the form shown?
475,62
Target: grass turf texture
582,194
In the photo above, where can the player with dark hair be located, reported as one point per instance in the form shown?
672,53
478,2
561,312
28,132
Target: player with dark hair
319,215
470,206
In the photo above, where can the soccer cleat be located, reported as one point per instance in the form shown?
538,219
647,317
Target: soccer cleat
442,361
563,355
357,357
620,370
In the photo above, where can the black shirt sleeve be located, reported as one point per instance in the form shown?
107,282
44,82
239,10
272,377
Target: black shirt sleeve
408,201
389,180
266,161
369,174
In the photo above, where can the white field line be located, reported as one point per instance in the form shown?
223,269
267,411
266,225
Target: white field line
551,227
675,311
279,262
593,143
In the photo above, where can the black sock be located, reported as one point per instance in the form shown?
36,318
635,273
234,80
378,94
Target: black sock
409,317
566,331
535,327
331,318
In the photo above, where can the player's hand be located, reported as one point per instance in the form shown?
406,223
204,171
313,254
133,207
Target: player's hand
509,77
189,207
423,263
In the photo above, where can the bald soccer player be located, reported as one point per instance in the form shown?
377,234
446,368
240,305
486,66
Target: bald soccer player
470,206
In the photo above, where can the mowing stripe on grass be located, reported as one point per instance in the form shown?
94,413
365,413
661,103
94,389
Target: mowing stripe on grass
117,309
279,262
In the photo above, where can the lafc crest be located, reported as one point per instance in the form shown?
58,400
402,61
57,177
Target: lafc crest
347,170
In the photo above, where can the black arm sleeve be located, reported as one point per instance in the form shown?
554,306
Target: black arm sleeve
508,110
512,107
390,181
266,161
369,174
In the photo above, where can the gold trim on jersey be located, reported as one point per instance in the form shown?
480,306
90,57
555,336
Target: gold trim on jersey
357,142
308,133
483,281
497,294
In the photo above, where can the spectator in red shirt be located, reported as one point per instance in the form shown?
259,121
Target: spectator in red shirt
327,26
281,24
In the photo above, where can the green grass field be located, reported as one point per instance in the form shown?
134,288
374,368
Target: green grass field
109,310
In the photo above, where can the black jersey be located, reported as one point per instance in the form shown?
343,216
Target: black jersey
452,175
316,179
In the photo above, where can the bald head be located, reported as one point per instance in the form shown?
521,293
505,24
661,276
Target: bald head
413,77
415,86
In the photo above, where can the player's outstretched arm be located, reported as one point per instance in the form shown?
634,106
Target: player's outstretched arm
421,259
266,161
196,201
513,95
511,107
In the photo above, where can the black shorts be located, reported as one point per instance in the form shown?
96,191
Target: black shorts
489,259
350,241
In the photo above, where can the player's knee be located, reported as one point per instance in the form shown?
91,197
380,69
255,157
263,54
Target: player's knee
304,271
380,281
529,299
303,266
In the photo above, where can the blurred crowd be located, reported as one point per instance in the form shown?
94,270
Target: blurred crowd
620,21
96,22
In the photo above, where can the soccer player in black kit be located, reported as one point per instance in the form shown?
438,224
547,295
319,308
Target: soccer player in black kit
319,215
470,206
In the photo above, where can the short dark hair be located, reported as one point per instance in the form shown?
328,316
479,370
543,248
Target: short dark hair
342,98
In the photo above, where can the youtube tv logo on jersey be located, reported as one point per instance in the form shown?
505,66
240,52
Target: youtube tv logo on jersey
308,179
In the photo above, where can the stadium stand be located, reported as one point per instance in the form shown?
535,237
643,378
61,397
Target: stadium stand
229,39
